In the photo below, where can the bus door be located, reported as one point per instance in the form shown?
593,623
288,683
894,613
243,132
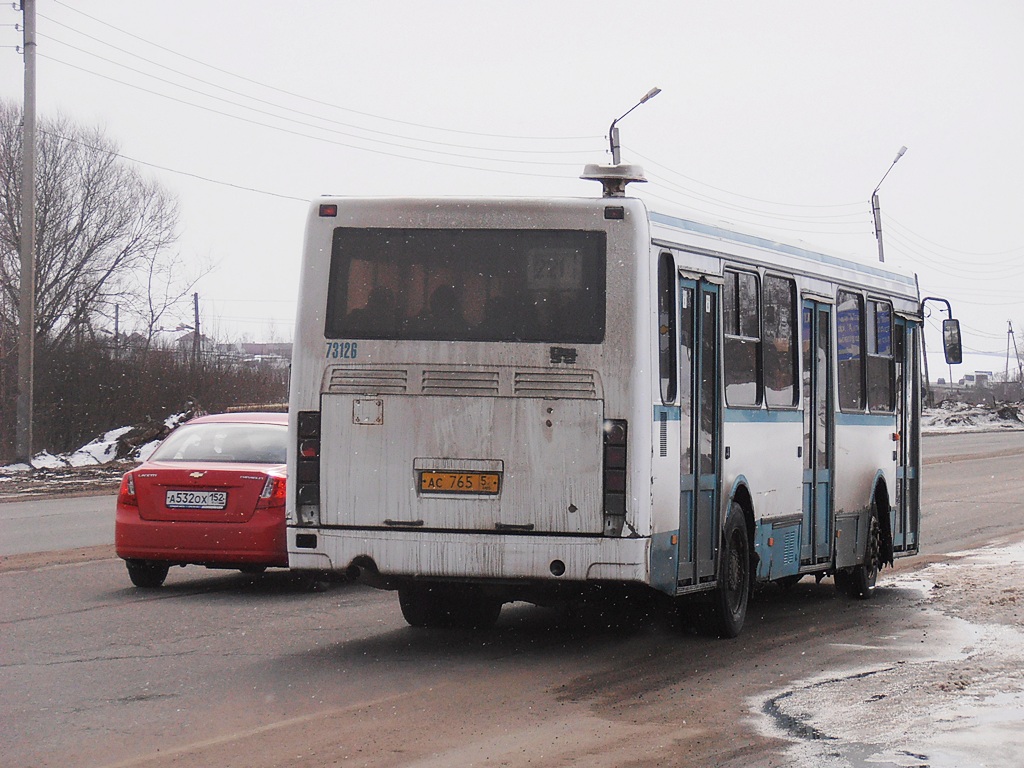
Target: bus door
818,419
905,528
699,431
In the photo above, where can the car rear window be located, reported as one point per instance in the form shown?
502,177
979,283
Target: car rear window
228,442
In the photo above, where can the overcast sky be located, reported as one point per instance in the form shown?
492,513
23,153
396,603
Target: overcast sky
778,117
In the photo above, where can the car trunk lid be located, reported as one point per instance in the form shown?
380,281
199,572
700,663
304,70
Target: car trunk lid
199,492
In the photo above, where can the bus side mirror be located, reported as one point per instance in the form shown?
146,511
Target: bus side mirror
951,342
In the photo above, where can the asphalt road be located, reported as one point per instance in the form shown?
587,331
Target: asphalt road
227,670
43,525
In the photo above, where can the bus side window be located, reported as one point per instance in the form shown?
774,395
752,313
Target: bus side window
667,327
850,353
880,368
780,341
741,312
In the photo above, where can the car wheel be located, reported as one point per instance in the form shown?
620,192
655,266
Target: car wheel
147,574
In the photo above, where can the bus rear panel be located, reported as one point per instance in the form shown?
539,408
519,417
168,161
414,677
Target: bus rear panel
468,415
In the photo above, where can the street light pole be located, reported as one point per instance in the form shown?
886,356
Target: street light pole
613,131
876,210
26,303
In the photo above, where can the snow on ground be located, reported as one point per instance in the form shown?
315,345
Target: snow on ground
947,690
104,449
963,417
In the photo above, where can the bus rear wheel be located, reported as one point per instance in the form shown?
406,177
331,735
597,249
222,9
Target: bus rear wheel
445,605
859,581
729,602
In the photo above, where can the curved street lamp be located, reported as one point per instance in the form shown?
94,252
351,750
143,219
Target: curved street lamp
876,211
613,131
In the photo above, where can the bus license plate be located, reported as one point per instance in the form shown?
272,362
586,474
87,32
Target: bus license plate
484,483
197,499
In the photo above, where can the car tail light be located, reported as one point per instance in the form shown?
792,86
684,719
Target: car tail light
273,494
307,468
614,476
127,495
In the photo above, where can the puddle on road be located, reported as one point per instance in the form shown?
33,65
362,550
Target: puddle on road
945,693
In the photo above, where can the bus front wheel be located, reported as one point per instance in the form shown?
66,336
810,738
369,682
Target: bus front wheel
729,603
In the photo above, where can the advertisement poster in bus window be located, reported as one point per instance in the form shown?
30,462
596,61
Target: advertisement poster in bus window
848,327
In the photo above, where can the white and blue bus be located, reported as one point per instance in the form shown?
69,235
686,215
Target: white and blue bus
499,399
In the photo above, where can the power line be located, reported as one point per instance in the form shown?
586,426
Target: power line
646,192
276,105
648,160
330,141
313,100
174,170
299,122
1016,251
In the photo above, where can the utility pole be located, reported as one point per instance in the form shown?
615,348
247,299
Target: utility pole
1020,365
26,304
195,333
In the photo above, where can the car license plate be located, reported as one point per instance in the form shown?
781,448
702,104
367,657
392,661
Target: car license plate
197,499
483,483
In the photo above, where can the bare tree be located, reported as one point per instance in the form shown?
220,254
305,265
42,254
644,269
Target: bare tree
160,286
98,221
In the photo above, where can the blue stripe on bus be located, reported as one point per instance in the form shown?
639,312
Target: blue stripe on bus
761,415
776,416
761,242
865,419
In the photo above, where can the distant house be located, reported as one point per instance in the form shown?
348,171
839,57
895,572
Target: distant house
270,349
274,354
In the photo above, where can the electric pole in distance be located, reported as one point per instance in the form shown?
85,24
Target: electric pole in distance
26,304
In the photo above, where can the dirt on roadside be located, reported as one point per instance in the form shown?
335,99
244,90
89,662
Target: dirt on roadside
66,481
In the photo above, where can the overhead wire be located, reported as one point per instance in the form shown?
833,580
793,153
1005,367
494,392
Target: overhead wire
316,138
312,99
172,170
659,181
1011,253
646,192
297,122
288,110
649,161
976,273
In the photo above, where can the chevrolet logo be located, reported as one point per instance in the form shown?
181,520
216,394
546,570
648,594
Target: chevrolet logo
196,474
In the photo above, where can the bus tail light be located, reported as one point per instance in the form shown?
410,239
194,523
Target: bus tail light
307,469
614,476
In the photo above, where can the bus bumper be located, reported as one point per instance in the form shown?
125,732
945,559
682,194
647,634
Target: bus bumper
485,557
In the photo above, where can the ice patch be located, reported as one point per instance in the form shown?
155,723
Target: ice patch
949,693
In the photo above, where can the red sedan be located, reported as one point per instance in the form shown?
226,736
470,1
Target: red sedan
212,494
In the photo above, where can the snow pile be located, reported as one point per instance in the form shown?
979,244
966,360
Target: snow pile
130,444
963,417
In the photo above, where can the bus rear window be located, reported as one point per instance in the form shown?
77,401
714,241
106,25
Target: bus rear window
467,285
